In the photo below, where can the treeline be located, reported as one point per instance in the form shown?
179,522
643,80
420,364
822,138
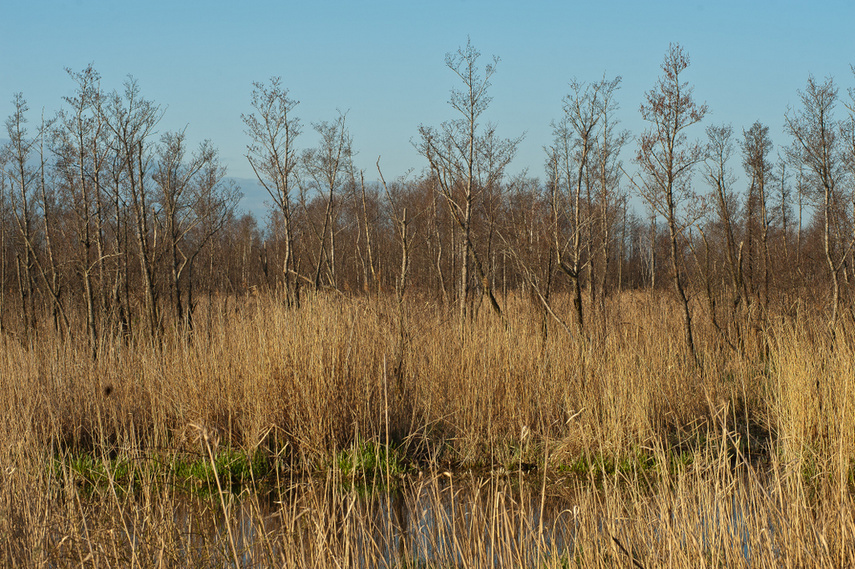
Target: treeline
110,227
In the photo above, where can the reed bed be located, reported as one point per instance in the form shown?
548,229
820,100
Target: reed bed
350,433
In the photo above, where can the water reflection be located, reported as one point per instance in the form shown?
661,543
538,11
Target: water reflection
697,517
481,520
415,522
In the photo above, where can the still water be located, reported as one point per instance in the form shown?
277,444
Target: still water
444,520
419,521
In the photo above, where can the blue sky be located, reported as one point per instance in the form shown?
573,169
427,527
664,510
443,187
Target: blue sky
382,61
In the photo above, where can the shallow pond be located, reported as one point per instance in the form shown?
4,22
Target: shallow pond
420,521
704,518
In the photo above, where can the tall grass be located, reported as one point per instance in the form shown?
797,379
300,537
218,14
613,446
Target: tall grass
225,446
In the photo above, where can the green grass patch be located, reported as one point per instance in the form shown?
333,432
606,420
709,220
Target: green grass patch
369,459
235,468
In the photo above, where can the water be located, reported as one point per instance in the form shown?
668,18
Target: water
419,521
466,520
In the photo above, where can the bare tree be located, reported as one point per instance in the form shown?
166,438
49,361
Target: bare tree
81,151
365,224
784,208
31,186
568,169
4,215
816,149
175,177
132,120
328,170
50,215
756,147
465,159
211,205
273,128
609,197
721,179
584,173
23,180
666,159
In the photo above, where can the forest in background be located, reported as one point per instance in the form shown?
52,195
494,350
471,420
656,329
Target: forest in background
109,227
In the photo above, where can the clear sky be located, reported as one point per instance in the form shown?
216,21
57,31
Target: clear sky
383,61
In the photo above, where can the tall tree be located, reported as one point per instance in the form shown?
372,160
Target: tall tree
328,168
81,151
49,218
175,177
666,159
721,180
273,129
609,196
131,120
210,206
23,181
4,189
584,173
456,152
848,131
569,172
816,149
756,147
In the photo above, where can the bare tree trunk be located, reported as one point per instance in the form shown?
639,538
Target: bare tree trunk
100,248
292,295
333,273
466,228
572,272
764,239
400,290
622,250
438,250
653,252
174,266
832,268
750,222
22,291
53,283
369,249
142,234
121,289
799,230
322,248
590,246
678,283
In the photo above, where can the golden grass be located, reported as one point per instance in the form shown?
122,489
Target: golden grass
651,460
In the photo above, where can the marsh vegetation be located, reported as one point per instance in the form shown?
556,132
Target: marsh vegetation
281,437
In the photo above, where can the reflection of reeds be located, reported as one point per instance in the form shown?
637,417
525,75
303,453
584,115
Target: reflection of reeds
210,439
749,454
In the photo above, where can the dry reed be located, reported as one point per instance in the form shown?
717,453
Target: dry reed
642,458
